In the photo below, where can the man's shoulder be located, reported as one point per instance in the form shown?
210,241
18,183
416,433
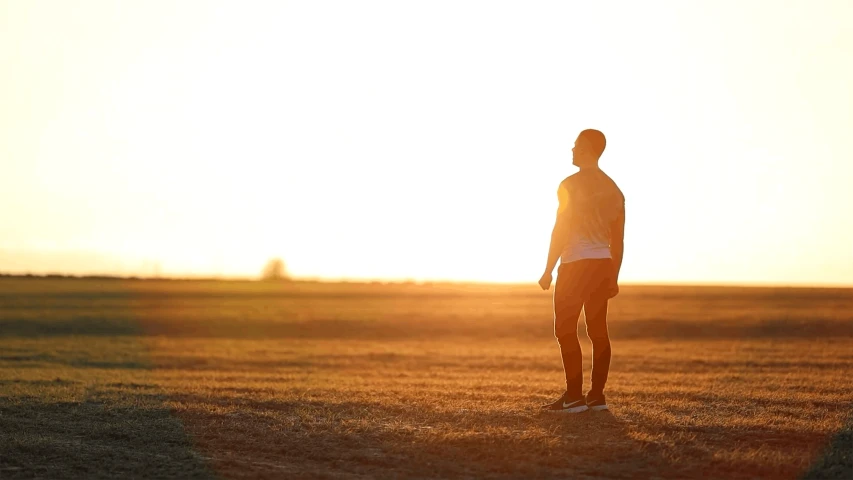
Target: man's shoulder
569,181
595,180
614,185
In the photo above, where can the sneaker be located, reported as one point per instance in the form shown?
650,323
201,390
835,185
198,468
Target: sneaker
566,405
596,403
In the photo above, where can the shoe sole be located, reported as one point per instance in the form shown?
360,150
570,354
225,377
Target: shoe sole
598,408
580,409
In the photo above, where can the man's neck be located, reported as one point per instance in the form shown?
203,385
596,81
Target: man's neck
589,167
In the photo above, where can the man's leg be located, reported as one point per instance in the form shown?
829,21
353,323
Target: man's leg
595,310
567,308
570,351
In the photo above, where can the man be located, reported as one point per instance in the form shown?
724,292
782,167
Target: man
588,236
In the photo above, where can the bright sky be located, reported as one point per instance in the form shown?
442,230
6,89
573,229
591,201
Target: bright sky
423,140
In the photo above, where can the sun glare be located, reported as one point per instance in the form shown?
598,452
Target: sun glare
393,141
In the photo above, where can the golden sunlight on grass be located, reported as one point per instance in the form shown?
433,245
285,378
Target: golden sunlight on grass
249,380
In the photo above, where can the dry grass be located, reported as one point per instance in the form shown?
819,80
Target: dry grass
247,380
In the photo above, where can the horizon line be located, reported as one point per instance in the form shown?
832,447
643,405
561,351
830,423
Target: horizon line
403,281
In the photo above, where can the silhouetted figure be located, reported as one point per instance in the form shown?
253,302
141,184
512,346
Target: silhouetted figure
588,236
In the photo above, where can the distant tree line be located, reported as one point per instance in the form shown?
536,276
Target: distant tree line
274,270
70,276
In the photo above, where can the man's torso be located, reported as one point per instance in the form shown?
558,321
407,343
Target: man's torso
591,202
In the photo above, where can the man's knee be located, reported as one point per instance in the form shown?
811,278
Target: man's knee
569,341
598,334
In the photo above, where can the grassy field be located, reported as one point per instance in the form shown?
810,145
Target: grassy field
107,378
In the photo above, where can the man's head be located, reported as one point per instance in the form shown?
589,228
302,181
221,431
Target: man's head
588,148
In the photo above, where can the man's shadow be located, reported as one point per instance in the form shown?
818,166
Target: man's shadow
385,439
600,445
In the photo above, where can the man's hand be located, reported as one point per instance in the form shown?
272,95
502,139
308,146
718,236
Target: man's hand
545,281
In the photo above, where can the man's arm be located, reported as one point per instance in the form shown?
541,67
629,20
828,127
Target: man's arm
558,241
559,237
617,248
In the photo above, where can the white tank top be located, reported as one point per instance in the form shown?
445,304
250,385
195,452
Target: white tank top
592,202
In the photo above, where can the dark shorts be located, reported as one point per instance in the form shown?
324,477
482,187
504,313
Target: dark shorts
582,285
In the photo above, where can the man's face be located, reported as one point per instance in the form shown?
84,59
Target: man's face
580,152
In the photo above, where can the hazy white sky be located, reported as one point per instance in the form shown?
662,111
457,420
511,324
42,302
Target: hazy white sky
423,140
